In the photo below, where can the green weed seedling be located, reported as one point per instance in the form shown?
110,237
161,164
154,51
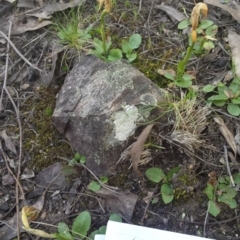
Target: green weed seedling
225,95
129,46
102,230
95,186
222,192
102,50
157,175
70,32
208,31
70,169
111,55
78,158
79,229
196,44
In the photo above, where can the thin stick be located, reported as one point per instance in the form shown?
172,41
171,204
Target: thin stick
228,168
19,124
16,50
205,221
140,6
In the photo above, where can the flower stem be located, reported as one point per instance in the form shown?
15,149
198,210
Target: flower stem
103,35
182,64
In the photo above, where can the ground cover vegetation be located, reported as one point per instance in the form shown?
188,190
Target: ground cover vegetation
186,163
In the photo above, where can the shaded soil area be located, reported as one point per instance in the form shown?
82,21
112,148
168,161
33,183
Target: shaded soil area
162,47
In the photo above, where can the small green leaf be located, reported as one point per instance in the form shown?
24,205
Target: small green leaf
77,156
171,172
115,217
61,237
236,80
213,208
231,192
135,41
183,24
236,178
155,174
222,88
167,193
228,200
115,54
223,186
221,180
126,47
236,100
212,31
208,88
183,84
187,77
169,74
208,45
104,179
209,191
98,44
219,103
233,109
92,235
131,56
235,87
219,97
205,24
63,230
83,159
94,186
81,224
102,230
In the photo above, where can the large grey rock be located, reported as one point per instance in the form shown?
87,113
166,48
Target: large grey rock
98,107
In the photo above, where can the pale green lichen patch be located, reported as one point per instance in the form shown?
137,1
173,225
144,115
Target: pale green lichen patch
125,122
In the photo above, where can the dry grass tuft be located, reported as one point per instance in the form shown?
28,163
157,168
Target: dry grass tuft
190,120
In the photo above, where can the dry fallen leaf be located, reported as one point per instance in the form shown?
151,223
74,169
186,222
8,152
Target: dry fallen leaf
234,12
19,26
227,134
172,12
48,76
8,141
138,147
46,11
234,39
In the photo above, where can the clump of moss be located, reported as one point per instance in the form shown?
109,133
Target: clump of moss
41,139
